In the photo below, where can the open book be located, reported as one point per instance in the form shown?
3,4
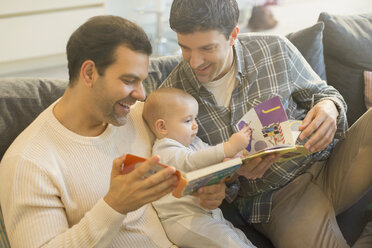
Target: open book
271,131
189,182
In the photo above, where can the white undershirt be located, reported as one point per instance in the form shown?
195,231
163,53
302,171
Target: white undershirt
222,88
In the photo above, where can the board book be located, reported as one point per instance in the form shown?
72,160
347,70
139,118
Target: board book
271,131
189,182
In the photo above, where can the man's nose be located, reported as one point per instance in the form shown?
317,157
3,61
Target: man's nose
138,92
196,60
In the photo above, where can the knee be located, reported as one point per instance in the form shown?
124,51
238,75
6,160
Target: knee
308,227
320,231
295,234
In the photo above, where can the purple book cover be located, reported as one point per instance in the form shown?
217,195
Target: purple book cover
271,111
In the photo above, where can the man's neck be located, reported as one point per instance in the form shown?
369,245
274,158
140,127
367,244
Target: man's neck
70,112
228,65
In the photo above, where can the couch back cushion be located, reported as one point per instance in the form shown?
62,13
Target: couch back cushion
21,100
309,42
159,69
347,42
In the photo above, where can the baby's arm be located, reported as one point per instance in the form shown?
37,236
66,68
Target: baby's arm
184,159
237,142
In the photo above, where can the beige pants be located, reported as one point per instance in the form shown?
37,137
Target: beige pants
304,212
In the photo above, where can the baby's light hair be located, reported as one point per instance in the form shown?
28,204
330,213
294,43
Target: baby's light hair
159,103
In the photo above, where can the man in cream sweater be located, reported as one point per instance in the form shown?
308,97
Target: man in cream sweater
62,180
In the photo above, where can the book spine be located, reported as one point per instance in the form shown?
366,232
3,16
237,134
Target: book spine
178,191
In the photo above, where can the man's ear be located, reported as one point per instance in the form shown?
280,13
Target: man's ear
88,72
160,127
234,35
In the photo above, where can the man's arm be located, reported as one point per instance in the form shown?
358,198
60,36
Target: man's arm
35,214
131,191
175,154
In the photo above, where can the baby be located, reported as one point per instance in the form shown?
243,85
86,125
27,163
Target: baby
171,115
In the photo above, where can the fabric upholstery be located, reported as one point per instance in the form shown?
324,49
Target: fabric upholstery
4,242
159,69
21,100
347,42
368,89
309,42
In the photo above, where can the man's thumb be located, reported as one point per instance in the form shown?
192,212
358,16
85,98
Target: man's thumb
118,165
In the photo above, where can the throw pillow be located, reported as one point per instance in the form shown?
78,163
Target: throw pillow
347,42
368,89
309,42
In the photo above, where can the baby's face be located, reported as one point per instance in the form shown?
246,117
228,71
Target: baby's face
181,123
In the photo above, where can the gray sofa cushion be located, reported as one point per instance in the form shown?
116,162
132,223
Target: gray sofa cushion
21,100
159,69
309,42
347,42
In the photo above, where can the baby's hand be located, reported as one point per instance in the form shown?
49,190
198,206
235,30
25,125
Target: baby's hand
241,139
238,141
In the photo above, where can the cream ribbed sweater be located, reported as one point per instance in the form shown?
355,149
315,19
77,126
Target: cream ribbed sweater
53,181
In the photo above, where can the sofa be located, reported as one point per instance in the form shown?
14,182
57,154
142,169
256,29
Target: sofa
338,48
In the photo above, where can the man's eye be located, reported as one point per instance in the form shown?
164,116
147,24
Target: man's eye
207,49
127,81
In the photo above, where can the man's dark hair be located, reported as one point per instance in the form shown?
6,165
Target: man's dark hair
97,40
188,16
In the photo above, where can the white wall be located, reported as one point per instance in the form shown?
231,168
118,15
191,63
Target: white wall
146,14
34,33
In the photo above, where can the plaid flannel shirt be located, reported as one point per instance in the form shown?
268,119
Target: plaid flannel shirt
267,66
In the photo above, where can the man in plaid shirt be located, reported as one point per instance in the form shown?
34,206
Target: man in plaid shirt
293,203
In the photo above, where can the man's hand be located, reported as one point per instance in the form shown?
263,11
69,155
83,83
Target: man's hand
321,121
256,168
211,197
131,191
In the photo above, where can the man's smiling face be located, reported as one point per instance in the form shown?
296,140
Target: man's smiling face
120,86
208,53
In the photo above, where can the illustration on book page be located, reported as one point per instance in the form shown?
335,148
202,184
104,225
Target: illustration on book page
270,126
